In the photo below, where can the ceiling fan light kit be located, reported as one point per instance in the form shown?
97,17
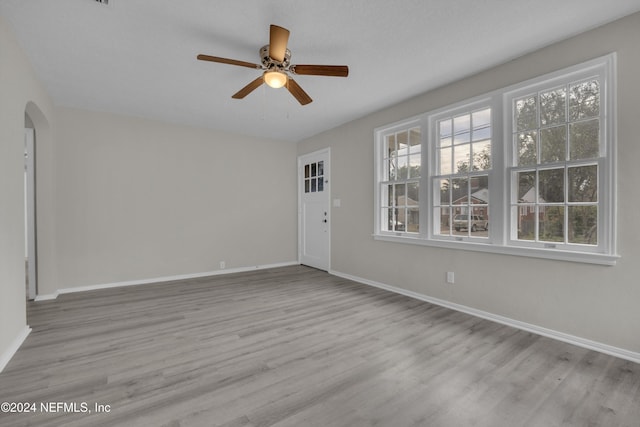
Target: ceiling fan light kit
275,79
275,62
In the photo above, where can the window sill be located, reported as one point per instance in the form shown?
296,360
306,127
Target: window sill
552,254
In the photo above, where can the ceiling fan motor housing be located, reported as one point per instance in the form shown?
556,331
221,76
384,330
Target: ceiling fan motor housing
270,63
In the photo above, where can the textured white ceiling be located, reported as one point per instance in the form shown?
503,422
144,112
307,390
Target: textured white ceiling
138,57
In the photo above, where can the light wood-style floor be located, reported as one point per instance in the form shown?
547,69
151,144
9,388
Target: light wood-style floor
298,347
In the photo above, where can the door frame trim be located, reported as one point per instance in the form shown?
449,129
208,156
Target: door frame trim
30,212
327,170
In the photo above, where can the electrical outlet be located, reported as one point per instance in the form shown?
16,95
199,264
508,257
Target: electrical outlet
450,277
223,265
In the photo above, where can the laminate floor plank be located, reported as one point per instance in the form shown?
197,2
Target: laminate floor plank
295,346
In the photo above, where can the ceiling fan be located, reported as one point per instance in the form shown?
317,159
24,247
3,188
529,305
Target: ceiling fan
277,69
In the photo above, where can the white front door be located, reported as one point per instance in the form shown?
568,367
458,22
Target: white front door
313,209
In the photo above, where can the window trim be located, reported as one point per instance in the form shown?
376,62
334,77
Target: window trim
499,240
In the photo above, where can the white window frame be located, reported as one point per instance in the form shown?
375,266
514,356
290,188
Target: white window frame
500,229
433,119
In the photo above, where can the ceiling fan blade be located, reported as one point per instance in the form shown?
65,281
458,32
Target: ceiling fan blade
228,61
321,70
249,88
297,92
278,39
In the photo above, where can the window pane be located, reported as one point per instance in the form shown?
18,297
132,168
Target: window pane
584,140
445,191
391,145
482,155
400,220
393,169
481,118
403,167
526,222
399,196
388,219
481,121
320,168
306,185
313,185
583,225
445,128
413,220
552,107
527,148
415,140
413,193
306,171
414,166
480,189
553,144
462,155
551,227
551,186
461,129
402,143
527,187
445,217
526,114
461,221
445,161
313,169
445,132
460,191
583,184
584,100
320,184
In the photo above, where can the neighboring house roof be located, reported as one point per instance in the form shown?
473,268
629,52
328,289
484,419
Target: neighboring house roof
530,197
479,197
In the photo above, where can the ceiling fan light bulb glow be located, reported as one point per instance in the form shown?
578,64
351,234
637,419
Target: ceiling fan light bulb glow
275,79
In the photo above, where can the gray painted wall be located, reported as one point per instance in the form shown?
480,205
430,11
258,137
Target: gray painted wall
592,302
139,199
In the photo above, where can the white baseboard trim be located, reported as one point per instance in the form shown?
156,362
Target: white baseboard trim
6,356
46,297
162,279
539,330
